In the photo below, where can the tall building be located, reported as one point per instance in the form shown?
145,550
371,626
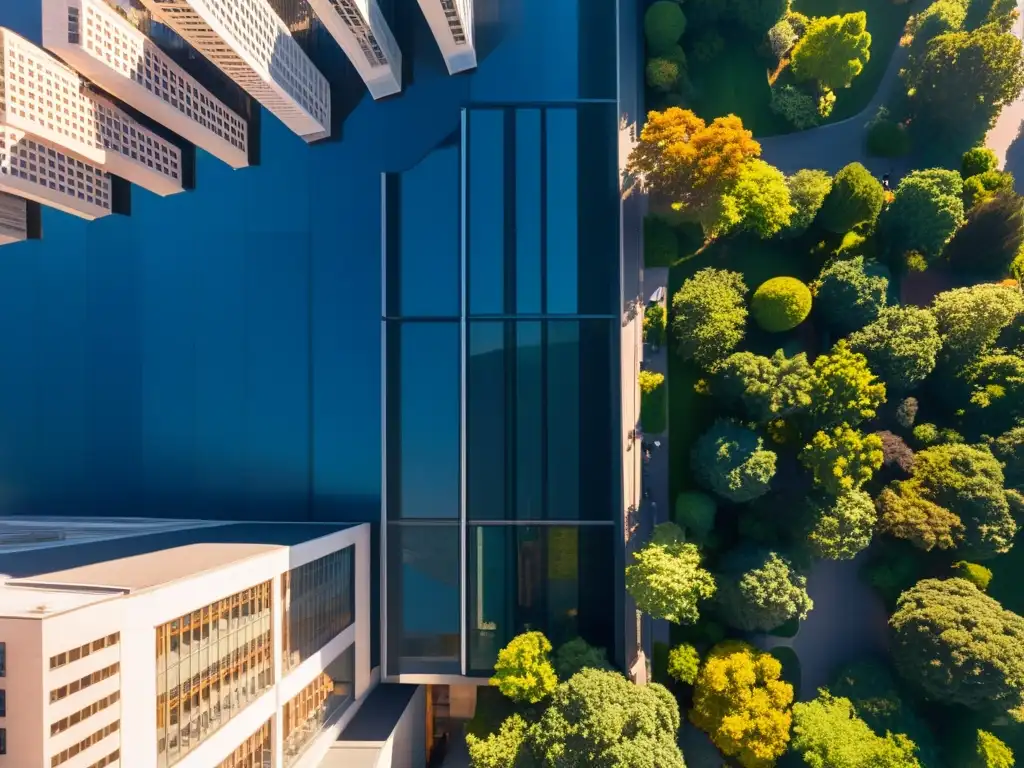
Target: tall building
451,21
105,47
363,34
210,646
252,46
48,101
13,219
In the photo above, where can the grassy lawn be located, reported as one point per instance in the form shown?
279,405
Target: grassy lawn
654,411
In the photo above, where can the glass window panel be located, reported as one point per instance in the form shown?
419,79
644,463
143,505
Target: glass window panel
485,420
529,410
597,442
528,218
486,211
320,605
563,419
423,599
562,211
423,420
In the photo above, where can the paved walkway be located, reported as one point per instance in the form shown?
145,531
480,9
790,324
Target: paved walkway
1005,137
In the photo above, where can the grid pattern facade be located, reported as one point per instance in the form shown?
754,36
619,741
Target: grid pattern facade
73,655
76,717
254,752
211,663
257,31
454,18
56,173
82,683
44,94
307,713
361,31
319,603
111,39
95,738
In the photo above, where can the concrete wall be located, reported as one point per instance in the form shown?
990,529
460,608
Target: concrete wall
23,684
405,748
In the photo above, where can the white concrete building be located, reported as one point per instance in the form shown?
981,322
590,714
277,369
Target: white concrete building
13,219
451,21
363,34
251,45
224,645
48,100
105,47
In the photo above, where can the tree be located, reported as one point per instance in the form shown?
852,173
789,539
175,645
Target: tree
842,459
683,663
927,208
983,187
990,238
807,192
906,412
978,575
781,304
759,590
991,752
940,17
828,733
886,137
985,63
833,51
848,296
901,346
1008,448
523,671
970,319
648,381
766,387
856,198
795,105
742,703
655,320
978,160
954,497
960,646
695,514
578,654
731,460
897,457
758,16
758,201
997,381
664,24
841,525
504,749
665,578
843,388
689,161
600,718
662,74
709,316
781,39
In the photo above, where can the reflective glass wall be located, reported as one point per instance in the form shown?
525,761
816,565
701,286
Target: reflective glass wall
318,704
319,604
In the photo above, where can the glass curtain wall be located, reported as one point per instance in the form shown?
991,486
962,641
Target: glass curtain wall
211,663
319,604
256,752
318,704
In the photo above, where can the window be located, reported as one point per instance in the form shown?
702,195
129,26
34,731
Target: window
66,657
3,703
3,741
320,701
3,659
319,600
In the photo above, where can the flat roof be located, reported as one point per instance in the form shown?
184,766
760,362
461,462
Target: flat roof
378,717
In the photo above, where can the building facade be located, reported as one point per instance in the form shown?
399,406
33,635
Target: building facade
451,22
49,101
13,219
108,49
363,34
252,651
252,46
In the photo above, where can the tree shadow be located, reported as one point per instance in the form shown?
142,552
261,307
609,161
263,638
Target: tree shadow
1015,159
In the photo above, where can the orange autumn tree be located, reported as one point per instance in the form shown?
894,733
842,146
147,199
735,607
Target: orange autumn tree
691,162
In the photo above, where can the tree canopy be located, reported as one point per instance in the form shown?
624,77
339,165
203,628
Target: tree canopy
709,316
842,459
760,589
731,460
841,526
990,238
927,208
833,51
757,201
971,319
856,198
1008,448
807,192
766,387
901,346
665,578
523,671
843,388
781,304
848,296
991,752
960,646
742,703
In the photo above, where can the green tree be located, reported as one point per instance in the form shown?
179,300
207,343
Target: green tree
886,137
709,316
927,208
504,749
655,321
578,654
983,187
758,16
970,319
795,105
662,74
664,24
990,238
856,198
1008,448
758,201
833,51
766,387
683,663
985,63
665,578
901,346
523,671
695,514
939,18
978,575
997,381
759,590
848,296
960,646
731,460
843,388
842,525
600,718
742,703
781,304
828,734
906,514
842,459
807,192
781,39
991,752
978,160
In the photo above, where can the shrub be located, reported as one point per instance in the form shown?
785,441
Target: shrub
523,671
848,296
901,346
766,388
661,244
731,460
650,381
914,261
856,198
781,39
887,138
577,654
926,434
665,578
978,575
695,514
662,74
978,160
684,663
664,24
826,102
655,318
781,303
897,457
906,412
709,316
795,105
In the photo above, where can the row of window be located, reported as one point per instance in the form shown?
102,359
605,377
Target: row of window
84,744
318,599
76,717
255,752
81,652
77,685
317,704
108,760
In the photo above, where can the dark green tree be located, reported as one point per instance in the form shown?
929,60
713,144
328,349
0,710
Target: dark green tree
901,346
847,296
856,198
978,160
990,238
971,319
709,316
1009,449
983,187
731,460
927,209
840,526
578,654
761,590
664,24
807,192
765,388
